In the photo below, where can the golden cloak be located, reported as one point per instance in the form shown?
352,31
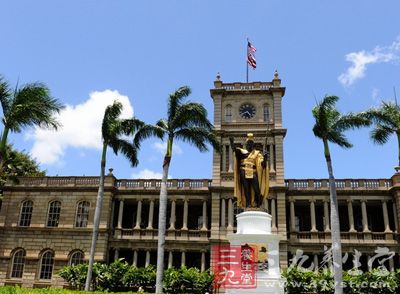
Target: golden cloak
262,175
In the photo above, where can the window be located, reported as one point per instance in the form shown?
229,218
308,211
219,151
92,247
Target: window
46,265
18,262
82,214
26,214
228,113
266,113
76,258
53,215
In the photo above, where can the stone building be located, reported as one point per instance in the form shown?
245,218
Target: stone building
46,223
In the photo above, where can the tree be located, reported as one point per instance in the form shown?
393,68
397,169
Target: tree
186,121
18,164
112,129
30,105
329,127
387,122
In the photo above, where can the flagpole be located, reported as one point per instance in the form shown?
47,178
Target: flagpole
247,63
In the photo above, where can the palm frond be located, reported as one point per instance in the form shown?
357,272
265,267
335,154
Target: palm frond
33,105
111,124
175,100
380,134
147,131
351,121
5,96
386,114
191,114
130,126
339,139
129,150
198,137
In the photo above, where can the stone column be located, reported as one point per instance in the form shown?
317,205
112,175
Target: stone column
111,223
386,217
230,215
327,227
138,214
183,259
223,158
147,259
351,215
271,158
203,261
396,224
266,206
391,265
369,262
292,216
135,255
273,213
316,264
170,259
204,226
364,216
116,254
185,214
230,158
312,215
120,213
223,214
173,215
151,214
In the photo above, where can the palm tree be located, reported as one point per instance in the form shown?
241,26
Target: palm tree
30,105
387,122
329,127
186,121
112,128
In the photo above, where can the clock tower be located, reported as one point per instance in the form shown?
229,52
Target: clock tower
239,109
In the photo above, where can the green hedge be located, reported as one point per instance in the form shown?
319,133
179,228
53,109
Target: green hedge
18,290
377,281
120,276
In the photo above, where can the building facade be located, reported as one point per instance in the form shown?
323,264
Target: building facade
46,223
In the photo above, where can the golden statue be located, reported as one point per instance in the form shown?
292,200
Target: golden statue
251,174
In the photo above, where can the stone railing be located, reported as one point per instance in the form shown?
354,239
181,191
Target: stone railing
348,184
110,182
57,181
247,86
152,234
156,184
346,237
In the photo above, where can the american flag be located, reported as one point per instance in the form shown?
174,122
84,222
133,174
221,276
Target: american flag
251,59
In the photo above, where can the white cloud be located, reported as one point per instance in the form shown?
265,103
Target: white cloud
375,94
161,147
81,127
147,174
361,59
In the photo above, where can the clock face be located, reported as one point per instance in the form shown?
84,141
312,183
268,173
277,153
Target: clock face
247,110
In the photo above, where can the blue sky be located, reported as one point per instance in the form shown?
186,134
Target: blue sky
89,52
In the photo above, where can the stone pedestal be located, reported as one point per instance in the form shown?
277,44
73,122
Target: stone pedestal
254,227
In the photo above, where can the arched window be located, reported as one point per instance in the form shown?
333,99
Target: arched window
26,213
53,214
46,265
266,113
18,262
82,214
76,258
228,113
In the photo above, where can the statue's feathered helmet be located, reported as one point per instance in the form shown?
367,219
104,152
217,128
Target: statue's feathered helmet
250,137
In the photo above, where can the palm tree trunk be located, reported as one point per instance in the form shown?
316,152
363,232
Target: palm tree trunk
3,144
96,222
335,225
162,219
